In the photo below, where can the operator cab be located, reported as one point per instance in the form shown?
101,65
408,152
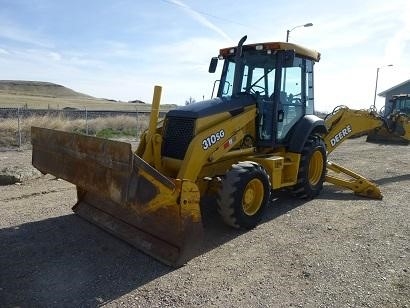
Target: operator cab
278,77
401,103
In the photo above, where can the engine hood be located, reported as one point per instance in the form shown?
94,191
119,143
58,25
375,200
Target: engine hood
232,104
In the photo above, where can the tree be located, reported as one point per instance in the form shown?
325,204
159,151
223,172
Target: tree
190,101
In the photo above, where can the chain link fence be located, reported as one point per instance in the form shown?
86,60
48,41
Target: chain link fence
15,123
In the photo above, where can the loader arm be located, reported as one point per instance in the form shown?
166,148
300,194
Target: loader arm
344,123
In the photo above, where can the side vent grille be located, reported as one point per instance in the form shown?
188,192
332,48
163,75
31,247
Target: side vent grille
177,136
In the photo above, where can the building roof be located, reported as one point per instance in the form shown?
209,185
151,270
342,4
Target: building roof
383,94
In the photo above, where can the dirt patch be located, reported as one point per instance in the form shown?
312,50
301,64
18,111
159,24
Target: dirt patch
339,250
17,174
15,167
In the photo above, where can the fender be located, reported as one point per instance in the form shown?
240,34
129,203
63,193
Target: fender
308,125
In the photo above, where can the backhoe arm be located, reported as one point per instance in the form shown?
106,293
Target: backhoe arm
343,123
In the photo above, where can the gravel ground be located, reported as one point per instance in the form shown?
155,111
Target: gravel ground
338,250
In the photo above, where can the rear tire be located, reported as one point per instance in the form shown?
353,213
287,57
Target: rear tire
312,169
244,195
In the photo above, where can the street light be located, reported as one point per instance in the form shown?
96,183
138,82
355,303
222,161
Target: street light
309,24
288,31
377,79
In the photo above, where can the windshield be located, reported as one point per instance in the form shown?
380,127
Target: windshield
403,105
256,74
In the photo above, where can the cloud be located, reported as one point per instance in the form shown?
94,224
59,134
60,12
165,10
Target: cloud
14,33
201,19
4,52
54,56
396,45
36,56
368,24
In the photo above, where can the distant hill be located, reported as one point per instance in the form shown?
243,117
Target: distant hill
48,95
38,88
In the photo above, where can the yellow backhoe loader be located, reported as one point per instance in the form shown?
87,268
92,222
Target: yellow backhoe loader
398,106
257,136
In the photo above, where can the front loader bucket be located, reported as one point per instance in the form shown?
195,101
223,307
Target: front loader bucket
122,194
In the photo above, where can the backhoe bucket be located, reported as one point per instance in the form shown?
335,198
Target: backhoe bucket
382,136
122,194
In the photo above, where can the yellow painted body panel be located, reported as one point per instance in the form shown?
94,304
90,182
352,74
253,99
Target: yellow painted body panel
196,157
282,168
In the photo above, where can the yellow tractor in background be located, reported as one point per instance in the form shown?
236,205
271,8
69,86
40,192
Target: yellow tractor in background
398,105
258,135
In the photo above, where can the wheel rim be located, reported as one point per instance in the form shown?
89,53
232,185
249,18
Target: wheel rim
252,197
315,167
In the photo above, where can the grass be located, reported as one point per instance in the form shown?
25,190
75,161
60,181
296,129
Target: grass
12,131
110,133
40,102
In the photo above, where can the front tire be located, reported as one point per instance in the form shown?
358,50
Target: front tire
312,169
244,195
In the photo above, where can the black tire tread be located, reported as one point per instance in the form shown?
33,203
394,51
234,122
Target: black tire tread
303,189
228,194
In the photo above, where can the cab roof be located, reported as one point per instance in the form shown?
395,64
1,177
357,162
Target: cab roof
401,96
273,46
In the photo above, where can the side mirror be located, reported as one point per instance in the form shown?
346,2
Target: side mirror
213,65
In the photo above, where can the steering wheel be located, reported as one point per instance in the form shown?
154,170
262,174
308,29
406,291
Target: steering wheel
296,101
253,91
292,99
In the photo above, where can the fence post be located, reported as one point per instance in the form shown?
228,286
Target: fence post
138,128
86,121
18,126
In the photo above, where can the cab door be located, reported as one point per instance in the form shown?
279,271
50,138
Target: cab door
291,100
296,96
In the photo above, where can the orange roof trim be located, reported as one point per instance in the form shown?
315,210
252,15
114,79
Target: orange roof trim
300,50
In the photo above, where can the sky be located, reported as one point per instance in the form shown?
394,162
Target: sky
121,49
